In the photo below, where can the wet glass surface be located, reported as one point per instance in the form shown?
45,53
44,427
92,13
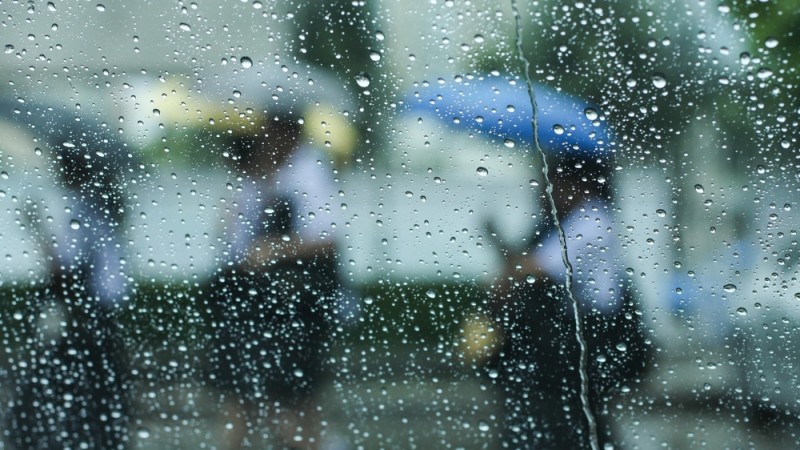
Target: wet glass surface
360,225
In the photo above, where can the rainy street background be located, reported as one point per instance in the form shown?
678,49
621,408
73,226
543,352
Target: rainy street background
695,105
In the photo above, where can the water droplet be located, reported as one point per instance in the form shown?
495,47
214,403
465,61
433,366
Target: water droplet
764,73
483,425
185,27
493,373
659,81
730,287
246,62
699,188
298,373
509,143
530,279
9,48
362,79
143,433
741,311
431,293
482,171
744,58
558,129
101,7
74,224
379,35
661,213
374,55
622,347
591,114
771,42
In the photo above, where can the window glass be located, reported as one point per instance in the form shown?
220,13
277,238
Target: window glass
355,225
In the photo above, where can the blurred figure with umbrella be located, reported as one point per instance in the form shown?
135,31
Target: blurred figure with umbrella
72,388
538,362
274,296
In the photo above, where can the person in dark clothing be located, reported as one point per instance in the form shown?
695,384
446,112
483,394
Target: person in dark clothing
72,385
538,364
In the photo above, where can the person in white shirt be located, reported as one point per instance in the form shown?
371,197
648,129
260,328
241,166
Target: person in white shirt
274,294
539,361
73,385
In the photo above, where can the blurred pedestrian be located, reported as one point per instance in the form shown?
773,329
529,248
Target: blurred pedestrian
72,384
273,297
539,360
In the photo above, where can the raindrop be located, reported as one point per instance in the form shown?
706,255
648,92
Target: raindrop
764,73
246,62
185,27
482,171
622,347
661,213
101,7
730,287
509,143
9,48
362,79
591,114
771,42
379,36
741,311
659,81
744,58
74,224
431,293
374,55
478,39
483,426
143,433
530,279
699,188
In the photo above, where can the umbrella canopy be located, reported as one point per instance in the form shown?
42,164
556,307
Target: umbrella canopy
239,100
500,108
84,153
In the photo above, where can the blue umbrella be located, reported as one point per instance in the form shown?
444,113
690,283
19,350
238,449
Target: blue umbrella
494,107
